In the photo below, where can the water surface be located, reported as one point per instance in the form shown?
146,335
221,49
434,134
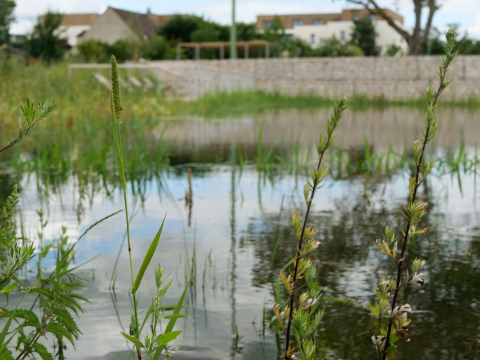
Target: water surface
231,229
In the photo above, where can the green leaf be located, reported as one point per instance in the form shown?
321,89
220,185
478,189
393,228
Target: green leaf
68,301
80,297
7,289
172,322
147,259
4,332
175,316
42,351
64,317
28,315
59,330
134,340
42,291
166,338
6,355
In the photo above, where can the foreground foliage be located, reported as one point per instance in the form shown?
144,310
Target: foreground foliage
414,211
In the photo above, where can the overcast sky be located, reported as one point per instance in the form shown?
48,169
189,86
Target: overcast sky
464,12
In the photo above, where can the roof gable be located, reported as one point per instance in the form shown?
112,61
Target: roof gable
139,23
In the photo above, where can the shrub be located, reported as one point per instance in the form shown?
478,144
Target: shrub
156,48
93,50
334,47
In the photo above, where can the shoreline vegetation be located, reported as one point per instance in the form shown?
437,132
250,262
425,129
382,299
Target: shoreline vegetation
81,97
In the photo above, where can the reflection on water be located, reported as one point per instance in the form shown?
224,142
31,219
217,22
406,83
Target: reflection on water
231,242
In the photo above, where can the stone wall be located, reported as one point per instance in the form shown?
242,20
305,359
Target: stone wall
375,77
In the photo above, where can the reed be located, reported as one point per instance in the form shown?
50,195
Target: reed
155,343
305,318
414,211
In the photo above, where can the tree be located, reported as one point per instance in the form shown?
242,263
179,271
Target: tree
204,33
275,31
192,28
416,40
6,18
247,31
364,36
46,41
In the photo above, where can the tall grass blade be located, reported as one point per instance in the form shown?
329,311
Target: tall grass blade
148,258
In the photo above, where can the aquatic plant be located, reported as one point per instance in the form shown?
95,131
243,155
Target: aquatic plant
154,344
388,290
305,317
59,290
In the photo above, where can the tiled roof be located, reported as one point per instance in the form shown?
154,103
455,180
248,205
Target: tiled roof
140,23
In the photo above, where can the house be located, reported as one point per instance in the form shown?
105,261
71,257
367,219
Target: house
73,25
315,29
291,21
115,24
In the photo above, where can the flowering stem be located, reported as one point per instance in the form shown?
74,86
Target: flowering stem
322,146
443,84
297,256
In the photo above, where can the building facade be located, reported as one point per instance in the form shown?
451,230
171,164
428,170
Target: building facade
292,21
315,29
74,25
317,35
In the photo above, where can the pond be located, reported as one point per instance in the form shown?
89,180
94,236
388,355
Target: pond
229,235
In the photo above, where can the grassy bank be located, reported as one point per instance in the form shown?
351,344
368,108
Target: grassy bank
81,97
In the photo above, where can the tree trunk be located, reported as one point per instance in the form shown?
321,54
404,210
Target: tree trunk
415,45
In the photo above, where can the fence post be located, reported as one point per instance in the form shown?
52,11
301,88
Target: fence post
246,49
196,82
222,52
178,51
197,51
267,51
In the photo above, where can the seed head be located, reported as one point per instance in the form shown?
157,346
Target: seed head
117,108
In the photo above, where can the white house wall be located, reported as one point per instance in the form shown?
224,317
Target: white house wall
316,35
71,33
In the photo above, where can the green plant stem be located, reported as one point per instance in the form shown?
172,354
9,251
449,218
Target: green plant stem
297,256
406,236
121,170
35,338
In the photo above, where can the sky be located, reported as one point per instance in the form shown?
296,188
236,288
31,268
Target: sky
463,12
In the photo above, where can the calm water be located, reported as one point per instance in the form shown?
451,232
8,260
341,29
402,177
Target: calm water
233,225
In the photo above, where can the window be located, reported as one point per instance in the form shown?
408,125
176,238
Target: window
371,17
312,39
342,35
317,21
355,17
297,22
267,24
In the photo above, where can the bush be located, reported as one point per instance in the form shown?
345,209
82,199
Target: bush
394,50
123,49
156,48
334,47
93,50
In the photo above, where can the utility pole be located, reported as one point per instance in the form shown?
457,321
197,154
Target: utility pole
233,34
